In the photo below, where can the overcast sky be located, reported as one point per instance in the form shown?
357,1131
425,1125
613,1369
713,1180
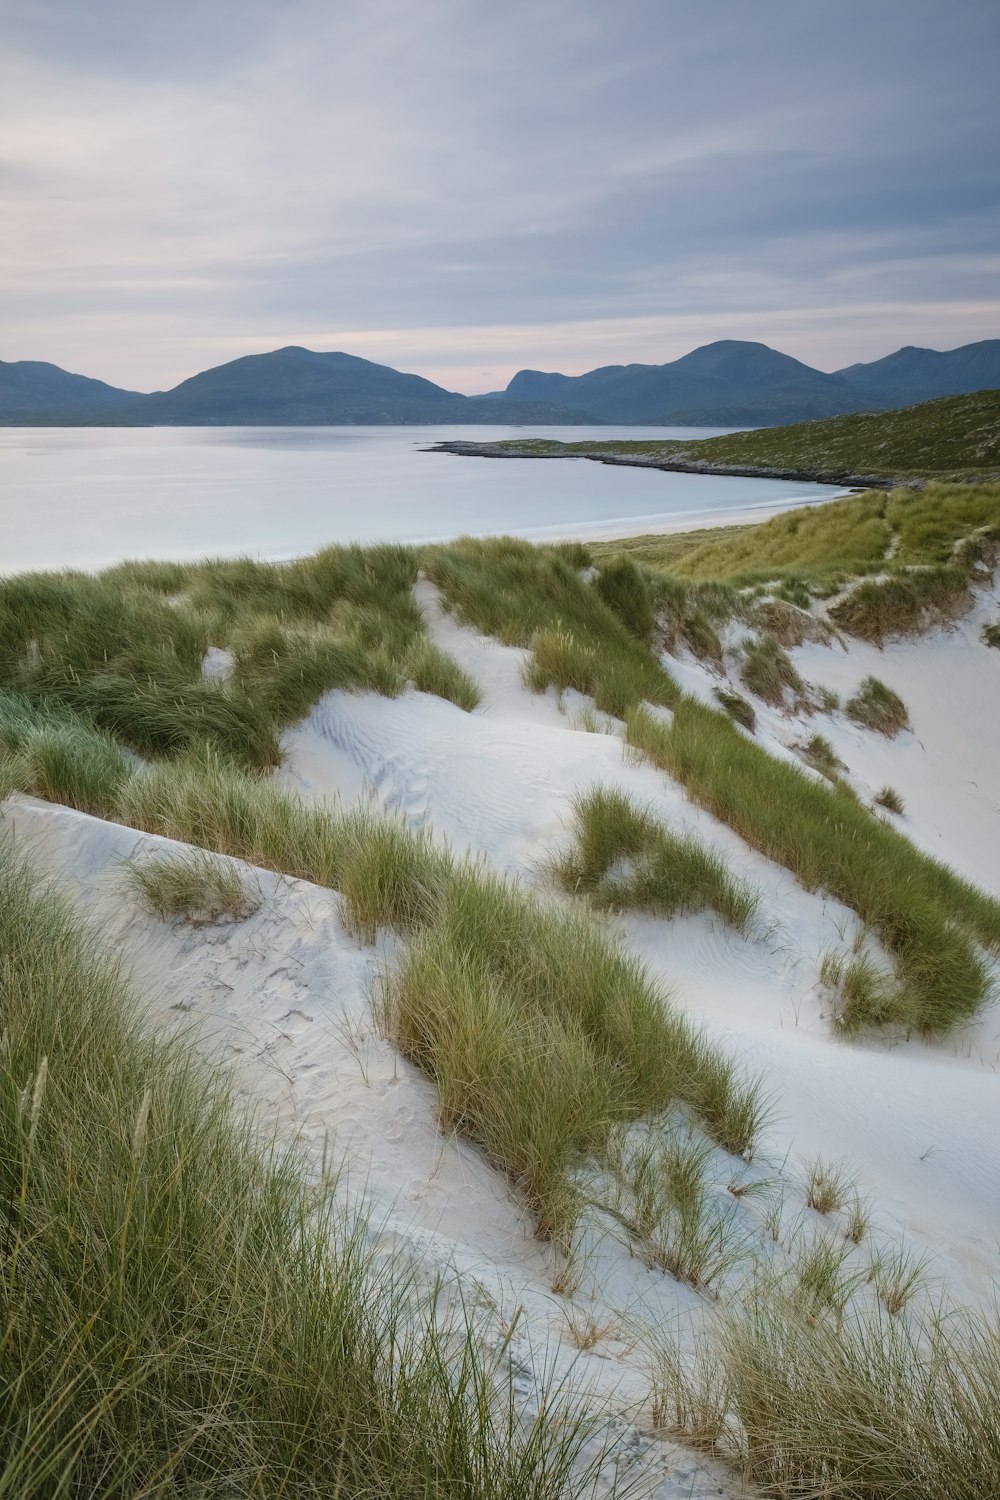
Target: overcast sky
467,187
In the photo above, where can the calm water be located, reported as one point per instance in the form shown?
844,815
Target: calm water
79,497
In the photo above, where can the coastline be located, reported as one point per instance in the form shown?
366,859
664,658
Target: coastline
836,478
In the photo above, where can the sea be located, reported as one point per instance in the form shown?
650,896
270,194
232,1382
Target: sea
90,497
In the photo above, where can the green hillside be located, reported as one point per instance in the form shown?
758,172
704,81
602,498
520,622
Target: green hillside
954,437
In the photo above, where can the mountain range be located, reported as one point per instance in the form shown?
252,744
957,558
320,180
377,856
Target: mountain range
731,383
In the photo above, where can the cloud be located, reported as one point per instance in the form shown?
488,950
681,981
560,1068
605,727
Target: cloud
177,181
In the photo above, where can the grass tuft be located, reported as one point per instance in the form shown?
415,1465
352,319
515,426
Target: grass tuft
624,858
891,800
827,1187
624,590
661,1195
434,671
738,708
194,886
767,671
875,706
906,603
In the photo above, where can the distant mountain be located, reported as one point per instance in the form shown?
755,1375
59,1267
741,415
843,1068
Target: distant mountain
30,385
913,374
288,387
731,383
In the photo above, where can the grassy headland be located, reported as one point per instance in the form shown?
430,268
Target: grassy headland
957,437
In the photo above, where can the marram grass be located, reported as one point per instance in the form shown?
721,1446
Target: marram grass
623,857
187,1308
929,919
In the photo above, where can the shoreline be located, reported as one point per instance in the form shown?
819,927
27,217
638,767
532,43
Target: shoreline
838,479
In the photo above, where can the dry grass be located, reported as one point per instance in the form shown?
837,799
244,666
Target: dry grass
875,706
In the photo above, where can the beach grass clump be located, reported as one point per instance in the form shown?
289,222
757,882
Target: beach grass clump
928,919
189,1308
865,998
868,1406
614,675
991,633
905,603
738,708
432,670
820,754
690,613
766,670
876,706
811,1386
891,800
828,1185
207,801
822,1275
193,886
897,1276
541,1033
626,859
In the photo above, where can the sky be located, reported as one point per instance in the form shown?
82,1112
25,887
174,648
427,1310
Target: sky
465,188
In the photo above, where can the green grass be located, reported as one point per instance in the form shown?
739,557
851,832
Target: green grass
434,671
955,435
767,671
542,1033
624,858
991,634
187,1309
820,754
193,886
875,706
822,547
529,596
124,649
573,1016
928,918
626,593
905,604
865,1407
661,1195
738,708
828,1186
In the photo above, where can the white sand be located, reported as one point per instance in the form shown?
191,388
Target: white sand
286,993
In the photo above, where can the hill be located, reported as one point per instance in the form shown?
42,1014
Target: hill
30,385
913,374
728,383
956,437
287,387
